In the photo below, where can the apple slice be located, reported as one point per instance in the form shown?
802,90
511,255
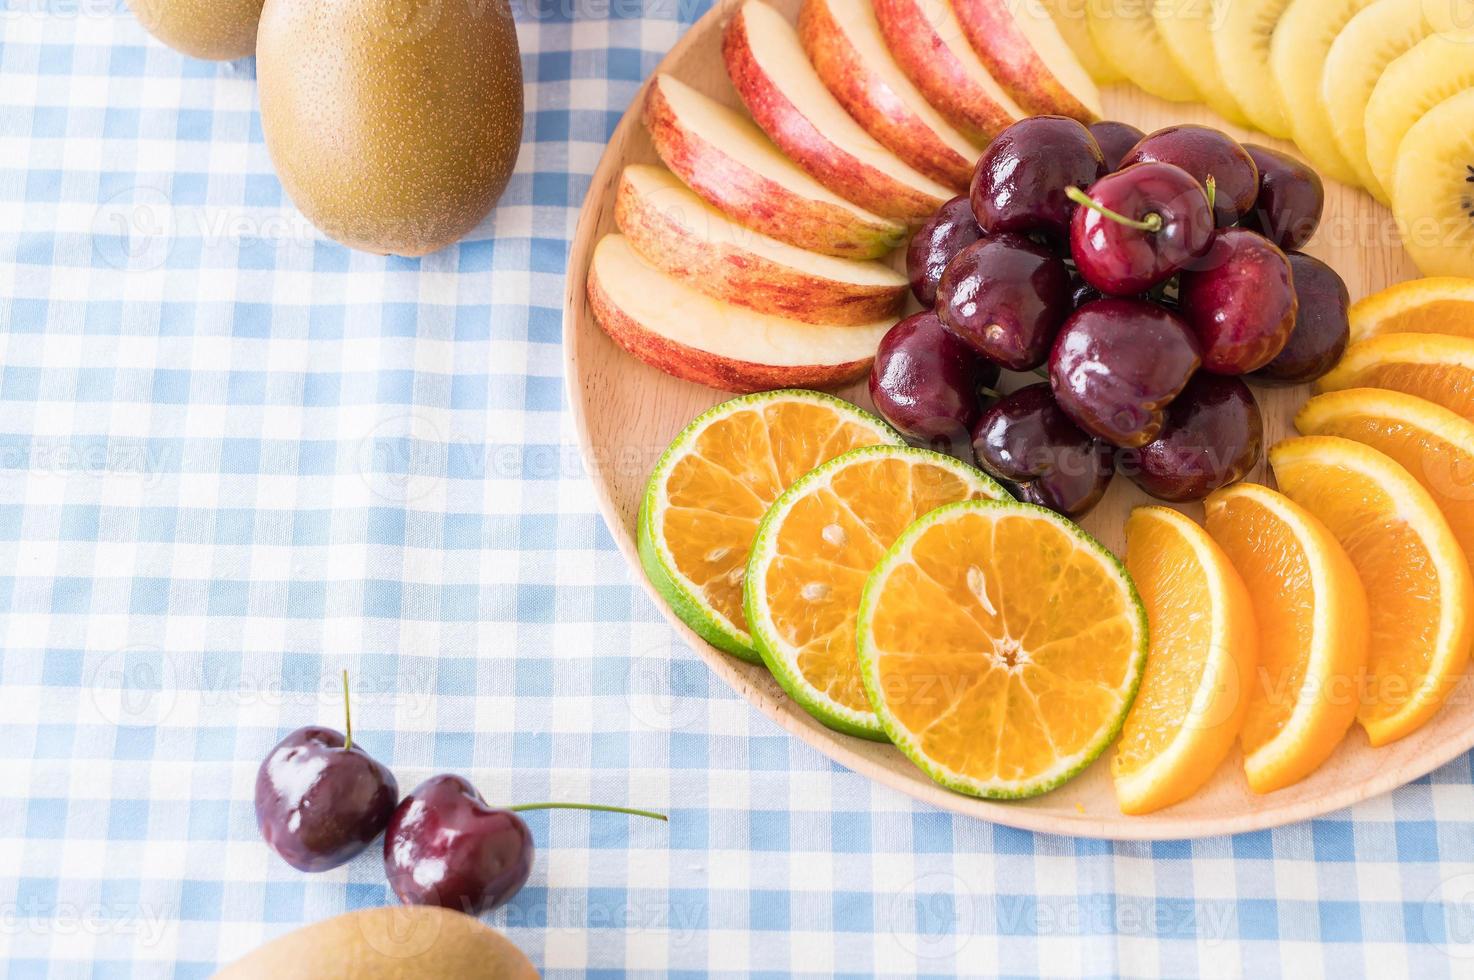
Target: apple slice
927,43
1024,50
681,234
722,156
845,46
780,88
686,333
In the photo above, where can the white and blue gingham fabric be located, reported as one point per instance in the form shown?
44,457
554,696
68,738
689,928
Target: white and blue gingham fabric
236,458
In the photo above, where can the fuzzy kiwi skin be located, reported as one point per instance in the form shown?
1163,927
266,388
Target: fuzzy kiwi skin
216,30
393,126
395,942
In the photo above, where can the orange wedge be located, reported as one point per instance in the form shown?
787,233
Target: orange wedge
1198,666
1419,588
1438,304
1432,366
712,487
1433,444
1311,614
1001,647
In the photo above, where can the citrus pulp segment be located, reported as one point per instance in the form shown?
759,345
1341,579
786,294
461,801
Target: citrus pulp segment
1430,366
712,486
1418,583
812,555
1001,647
1437,304
1199,664
1311,614
1433,444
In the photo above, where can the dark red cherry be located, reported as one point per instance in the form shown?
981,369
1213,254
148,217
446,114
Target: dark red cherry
1206,153
1115,140
445,846
948,232
1117,364
1240,301
1211,438
1139,227
1020,180
1291,198
925,383
1005,297
1029,443
1322,327
319,800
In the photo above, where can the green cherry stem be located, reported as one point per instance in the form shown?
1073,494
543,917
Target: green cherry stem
1151,223
1212,186
589,806
987,392
347,715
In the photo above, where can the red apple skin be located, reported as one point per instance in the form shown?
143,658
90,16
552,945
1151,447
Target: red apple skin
934,69
835,168
705,368
1010,56
874,104
737,275
754,200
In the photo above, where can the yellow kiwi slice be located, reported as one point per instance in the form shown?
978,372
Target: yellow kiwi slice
1439,66
1127,36
1433,188
1368,43
1242,30
1297,55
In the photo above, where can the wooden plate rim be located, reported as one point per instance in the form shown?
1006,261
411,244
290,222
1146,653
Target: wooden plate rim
788,715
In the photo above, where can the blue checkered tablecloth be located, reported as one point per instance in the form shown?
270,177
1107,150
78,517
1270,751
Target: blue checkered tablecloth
236,458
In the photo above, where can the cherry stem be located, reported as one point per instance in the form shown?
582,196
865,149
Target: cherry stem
1151,223
347,715
1212,191
1042,373
589,806
987,392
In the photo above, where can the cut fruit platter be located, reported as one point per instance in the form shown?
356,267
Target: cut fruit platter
896,608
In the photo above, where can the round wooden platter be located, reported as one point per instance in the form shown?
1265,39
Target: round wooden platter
626,414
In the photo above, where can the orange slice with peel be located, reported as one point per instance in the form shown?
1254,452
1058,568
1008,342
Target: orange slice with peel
1419,589
1198,667
1001,647
1433,444
712,486
1437,304
1311,614
1432,366
812,555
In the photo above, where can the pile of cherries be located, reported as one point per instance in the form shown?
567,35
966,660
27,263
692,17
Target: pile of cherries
320,800
1142,275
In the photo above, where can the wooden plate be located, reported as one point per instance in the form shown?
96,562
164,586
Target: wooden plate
626,413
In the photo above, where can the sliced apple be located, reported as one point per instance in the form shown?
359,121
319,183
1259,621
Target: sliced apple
686,333
780,88
1127,35
722,156
681,234
1074,27
928,44
1024,50
846,48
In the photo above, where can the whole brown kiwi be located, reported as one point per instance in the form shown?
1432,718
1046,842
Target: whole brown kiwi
394,126
218,30
396,942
